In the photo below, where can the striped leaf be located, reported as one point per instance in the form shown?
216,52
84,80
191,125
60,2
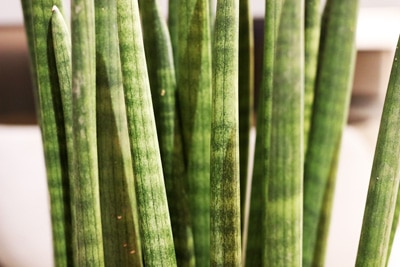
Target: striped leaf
283,217
85,199
117,189
255,244
384,181
37,17
194,102
312,28
163,87
225,189
330,108
154,219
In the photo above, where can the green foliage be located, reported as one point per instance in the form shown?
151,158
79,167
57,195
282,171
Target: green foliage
225,177
384,183
329,115
193,72
48,95
117,186
145,125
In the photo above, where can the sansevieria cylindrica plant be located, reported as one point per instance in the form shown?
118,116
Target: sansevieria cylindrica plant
146,122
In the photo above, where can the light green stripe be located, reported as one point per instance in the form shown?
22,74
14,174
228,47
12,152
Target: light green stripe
283,217
155,227
255,244
225,190
37,16
85,200
384,181
330,109
117,188
312,28
194,102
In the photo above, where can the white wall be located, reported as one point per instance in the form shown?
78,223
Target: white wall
11,13
378,26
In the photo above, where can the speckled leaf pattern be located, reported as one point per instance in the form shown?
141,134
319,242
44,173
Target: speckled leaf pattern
384,181
85,199
117,189
154,219
256,228
330,108
225,176
283,218
312,28
37,16
163,88
194,110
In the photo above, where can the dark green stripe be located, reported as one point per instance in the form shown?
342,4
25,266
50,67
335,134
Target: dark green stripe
312,28
225,177
163,86
37,16
256,228
194,102
330,108
86,219
117,189
384,181
155,226
283,232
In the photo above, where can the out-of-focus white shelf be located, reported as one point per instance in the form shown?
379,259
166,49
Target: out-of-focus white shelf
378,28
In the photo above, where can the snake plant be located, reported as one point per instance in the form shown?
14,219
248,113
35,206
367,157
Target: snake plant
145,124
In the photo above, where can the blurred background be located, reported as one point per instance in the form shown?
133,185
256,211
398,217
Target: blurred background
25,238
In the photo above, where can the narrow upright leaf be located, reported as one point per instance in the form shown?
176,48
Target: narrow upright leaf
258,197
194,102
37,16
283,217
163,88
395,225
117,189
85,199
62,53
330,108
384,181
154,219
225,176
312,29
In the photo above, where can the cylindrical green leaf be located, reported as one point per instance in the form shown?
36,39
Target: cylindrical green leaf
163,88
117,189
283,211
256,225
326,214
312,28
62,53
85,199
395,224
384,181
154,219
194,102
37,16
330,109
225,176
